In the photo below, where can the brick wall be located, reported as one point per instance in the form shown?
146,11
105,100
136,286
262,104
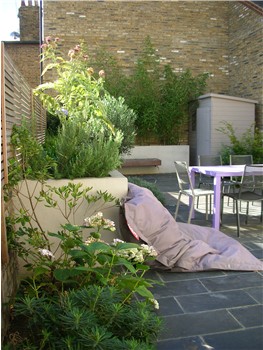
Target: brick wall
245,55
25,53
26,58
205,36
186,34
29,21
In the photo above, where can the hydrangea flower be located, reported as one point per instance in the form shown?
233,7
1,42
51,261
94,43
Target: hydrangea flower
46,252
155,303
100,222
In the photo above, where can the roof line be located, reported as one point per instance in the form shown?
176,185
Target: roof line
253,6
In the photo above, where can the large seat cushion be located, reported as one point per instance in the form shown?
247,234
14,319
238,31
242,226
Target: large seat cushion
182,246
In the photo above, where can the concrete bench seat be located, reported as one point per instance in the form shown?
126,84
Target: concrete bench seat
141,162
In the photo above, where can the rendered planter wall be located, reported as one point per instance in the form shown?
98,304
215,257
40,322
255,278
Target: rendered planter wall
51,219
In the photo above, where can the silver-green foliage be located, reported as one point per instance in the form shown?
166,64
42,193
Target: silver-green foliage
122,118
87,150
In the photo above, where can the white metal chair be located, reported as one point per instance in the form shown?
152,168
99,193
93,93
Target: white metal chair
250,190
186,188
206,180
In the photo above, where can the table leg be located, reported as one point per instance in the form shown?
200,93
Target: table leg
192,174
217,202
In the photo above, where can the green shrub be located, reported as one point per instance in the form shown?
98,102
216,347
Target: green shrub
159,96
85,143
86,151
92,317
30,158
80,293
250,142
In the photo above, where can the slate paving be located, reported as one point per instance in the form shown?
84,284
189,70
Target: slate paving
217,310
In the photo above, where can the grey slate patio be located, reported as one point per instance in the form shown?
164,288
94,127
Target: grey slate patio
220,310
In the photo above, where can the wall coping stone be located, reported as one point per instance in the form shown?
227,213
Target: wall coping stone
226,97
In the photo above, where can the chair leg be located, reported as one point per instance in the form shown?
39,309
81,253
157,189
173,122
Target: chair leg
177,206
206,208
238,219
246,212
222,209
191,211
197,201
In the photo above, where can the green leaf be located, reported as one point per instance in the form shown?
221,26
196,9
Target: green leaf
127,264
40,271
57,235
64,274
125,245
144,292
95,247
142,267
71,228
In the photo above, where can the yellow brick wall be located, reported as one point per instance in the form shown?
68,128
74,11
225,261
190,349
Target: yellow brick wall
186,34
29,22
26,58
223,38
246,55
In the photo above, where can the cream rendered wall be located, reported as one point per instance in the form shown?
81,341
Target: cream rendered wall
215,109
167,154
51,219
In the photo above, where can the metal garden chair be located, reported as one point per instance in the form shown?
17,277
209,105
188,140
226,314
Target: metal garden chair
186,188
205,180
250,190
238,159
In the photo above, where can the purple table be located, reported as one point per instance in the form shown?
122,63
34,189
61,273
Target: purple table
217,172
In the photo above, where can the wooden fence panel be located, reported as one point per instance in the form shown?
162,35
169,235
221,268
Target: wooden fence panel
17,103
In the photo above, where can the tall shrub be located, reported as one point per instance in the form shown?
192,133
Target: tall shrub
86,144
178,90
159,96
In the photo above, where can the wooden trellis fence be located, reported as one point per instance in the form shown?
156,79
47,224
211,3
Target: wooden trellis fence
17,103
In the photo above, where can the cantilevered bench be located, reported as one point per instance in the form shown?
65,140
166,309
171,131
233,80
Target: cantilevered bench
141,162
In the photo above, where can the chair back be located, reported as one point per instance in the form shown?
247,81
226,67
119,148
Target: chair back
183,176
240,159
209,160
252,179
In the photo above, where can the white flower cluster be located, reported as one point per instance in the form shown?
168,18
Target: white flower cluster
148,250
155,303
137,254
131,254
97,220
116,241
92,240
46,252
